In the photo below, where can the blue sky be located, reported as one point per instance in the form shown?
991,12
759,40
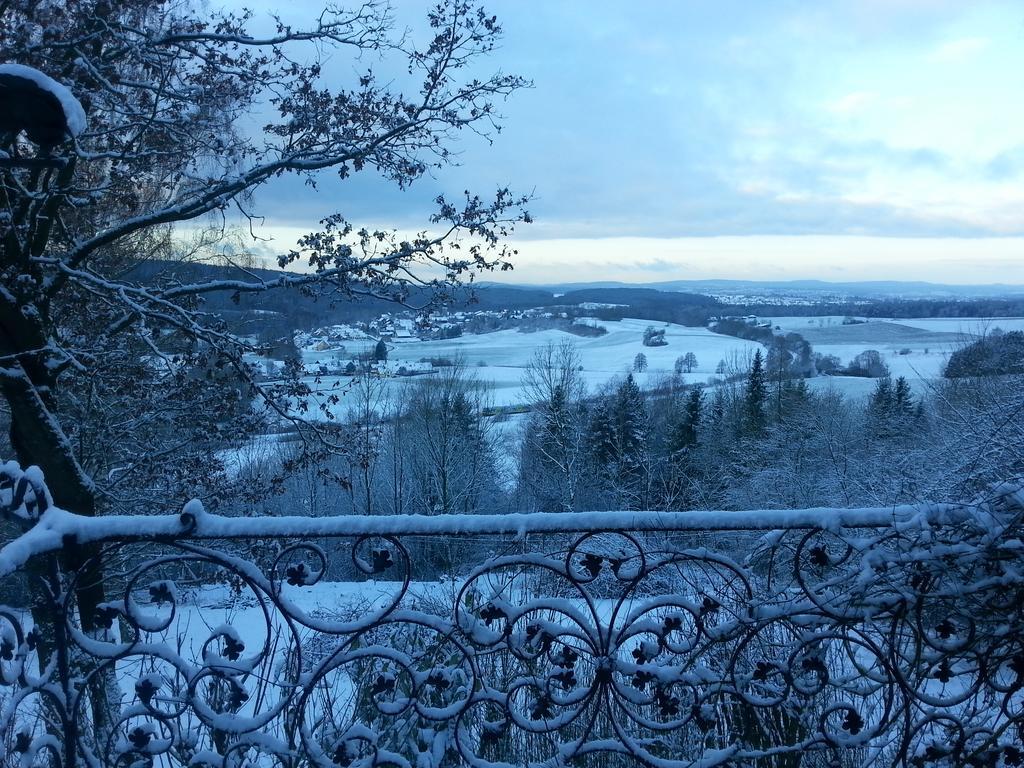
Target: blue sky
834,139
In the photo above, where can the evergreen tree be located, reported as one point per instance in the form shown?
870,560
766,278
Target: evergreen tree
629,422
380,352
448,458
602,435
882,397
686,429
618,435
556,416
756,395
891,409
551,433
718,406
793,398
880,408
902,403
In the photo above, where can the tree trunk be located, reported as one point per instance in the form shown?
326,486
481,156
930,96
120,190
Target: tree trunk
28,386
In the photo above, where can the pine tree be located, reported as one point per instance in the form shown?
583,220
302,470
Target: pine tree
686,430
629,422
380,352
891,410
756,395
880,409
902,403
618,436
602,435
882,398
557,413
793,397
718,406
629,419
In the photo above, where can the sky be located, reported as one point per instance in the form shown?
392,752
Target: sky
834,139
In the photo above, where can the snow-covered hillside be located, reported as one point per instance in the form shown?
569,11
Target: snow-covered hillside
500,358
916,349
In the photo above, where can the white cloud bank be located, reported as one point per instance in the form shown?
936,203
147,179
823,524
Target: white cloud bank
839,259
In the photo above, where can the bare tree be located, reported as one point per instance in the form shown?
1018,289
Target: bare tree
168,91
365,428
686,363
450,463
554,365
553,459
171,92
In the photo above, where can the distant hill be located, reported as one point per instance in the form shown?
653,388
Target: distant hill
634,295
862,289
285,309
691,309
279,312
299,310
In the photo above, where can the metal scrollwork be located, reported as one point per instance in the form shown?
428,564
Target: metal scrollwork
896,646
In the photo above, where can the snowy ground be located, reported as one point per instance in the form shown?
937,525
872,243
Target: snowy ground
968,326
915,348
499,359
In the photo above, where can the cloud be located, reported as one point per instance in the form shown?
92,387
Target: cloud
1007,165
658,265
684,119
852,102
950,260
955,51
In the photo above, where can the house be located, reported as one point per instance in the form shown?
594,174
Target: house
404,331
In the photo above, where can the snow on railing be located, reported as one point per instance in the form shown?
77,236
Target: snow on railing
814,637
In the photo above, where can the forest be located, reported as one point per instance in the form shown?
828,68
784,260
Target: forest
759,439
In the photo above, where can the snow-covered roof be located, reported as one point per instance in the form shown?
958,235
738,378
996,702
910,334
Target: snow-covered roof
74,115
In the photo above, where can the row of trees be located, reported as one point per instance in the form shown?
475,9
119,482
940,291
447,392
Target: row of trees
683,364
758,439
763,439
418,446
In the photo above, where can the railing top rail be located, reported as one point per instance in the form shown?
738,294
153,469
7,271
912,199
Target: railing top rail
56,526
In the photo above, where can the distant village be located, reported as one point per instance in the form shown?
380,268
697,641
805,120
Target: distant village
751,320
363,347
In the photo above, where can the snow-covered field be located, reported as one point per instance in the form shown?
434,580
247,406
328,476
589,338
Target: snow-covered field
499,359
916,349
969,326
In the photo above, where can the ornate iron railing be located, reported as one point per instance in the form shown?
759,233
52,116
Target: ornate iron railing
812,638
